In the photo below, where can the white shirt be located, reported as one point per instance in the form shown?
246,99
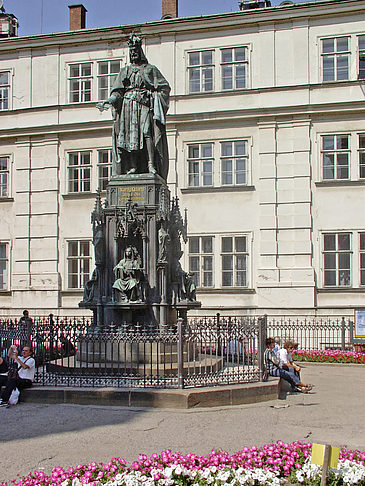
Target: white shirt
283,355
27,374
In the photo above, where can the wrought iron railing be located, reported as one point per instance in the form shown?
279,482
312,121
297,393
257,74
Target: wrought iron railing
201,352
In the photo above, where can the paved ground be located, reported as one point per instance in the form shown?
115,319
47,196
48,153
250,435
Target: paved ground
43,436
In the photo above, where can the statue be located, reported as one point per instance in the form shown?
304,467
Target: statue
89,287
189,290
163,243
128,275
99,244
140,100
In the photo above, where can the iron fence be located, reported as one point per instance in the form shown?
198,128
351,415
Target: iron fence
202,352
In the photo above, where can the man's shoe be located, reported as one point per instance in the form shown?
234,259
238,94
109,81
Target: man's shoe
3,404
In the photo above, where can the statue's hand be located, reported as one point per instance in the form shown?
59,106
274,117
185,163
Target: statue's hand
103,105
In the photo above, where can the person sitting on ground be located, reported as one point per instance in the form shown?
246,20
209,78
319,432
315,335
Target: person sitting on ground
25,375
286,360
273,369
4,368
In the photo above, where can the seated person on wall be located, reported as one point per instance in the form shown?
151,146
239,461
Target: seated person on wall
273,369
25,375
128,275
4,368
286,360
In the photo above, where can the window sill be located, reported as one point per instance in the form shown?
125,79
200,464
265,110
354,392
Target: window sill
230,290
6,199
72,292
192,190
79,195
336,290
5,292
337,183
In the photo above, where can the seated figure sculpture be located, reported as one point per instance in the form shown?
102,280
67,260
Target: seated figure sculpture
128,275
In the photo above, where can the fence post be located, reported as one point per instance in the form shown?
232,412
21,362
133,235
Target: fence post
180,353
343,335
262,325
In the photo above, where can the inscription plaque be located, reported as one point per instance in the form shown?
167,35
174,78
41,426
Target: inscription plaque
135,193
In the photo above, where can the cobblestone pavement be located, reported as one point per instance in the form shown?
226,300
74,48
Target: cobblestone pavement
40,436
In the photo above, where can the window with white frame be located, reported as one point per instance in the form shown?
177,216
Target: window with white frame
362,156
234,68
79,172
104,167
234,254
362,258
201,260
200,164
80,82
107,73
78,263
200,69
234,162
4,264
4,176
4,90
335,157
337,259
335,58
361,47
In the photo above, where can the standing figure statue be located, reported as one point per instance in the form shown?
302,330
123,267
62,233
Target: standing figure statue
128,274
140,100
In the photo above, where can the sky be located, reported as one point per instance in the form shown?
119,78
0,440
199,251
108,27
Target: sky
46,16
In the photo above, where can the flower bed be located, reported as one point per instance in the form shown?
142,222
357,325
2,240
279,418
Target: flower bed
271,464
329,356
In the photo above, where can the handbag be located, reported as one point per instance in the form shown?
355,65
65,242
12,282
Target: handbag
13,372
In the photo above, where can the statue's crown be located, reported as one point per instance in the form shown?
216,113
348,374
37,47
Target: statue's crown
134,41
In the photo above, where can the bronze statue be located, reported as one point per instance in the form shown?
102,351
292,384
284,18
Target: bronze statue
140,100
89,287
128,275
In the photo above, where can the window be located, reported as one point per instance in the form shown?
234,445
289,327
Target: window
80,80
234,68
3,266
201,260
104,167
4,177
337,259
362,258
4,90
335,59
362,156
234,261
200,162
79,171
78,261
335,157
107,72
234,162
361,41
200,71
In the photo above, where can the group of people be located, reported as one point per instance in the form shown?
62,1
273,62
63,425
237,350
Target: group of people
21,375
279,362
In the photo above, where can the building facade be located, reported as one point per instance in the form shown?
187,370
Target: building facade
266,133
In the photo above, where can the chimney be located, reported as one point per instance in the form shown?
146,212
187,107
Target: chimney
169,9
77,17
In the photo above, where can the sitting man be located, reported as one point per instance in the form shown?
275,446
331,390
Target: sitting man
25,375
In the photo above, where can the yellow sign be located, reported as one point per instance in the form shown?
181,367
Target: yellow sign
318,455
136,193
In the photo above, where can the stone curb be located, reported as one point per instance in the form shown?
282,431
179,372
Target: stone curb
179,399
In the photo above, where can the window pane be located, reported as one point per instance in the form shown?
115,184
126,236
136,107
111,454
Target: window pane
3,163
85,69
72,248
227,244
362,241
344,278
207,150
328,166
207,57
328,142
194,264
344,242
240,76
342,67
330,277
328,68
362,141
342,142
226,149
329,242
194,58
227,279
2,251
227,79
84,248
4,78
194,80
103,67
361,41
241,262
240,244
207,75
74,70
328,45
330,261
226,55
194,245
342,44
207,263
207,245
240,54
344,261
